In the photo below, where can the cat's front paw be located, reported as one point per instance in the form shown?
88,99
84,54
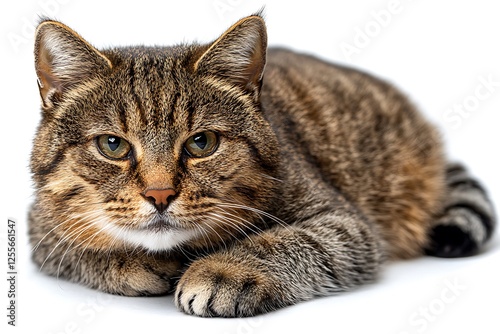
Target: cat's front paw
222,286
144,276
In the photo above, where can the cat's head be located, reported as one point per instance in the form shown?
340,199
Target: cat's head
152,147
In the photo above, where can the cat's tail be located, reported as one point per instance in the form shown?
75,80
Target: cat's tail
467,220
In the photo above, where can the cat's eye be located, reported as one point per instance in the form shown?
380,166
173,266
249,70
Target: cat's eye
202,144
113,147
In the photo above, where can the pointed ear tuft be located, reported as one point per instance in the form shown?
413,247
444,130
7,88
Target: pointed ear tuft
64,60
239,55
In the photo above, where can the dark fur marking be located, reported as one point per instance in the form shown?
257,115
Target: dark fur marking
468,183
71,193
190,305
172,109
190,115
450,241
245,291
455,169
53,164
133,92
258,157
249,193
229,176
210,302
485,218
86,178
122,113
204,193
179,295
121,263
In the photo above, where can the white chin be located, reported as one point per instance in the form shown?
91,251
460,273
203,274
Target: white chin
151,240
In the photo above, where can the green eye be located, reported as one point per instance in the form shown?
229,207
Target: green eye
113,147
202,144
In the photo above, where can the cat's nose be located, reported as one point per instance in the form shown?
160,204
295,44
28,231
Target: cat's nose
159,197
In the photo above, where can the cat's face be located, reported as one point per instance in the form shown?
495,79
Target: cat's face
152,147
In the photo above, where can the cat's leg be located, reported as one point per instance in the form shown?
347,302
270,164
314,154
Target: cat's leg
130,273
329,252
467,220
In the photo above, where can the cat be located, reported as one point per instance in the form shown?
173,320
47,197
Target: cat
240,178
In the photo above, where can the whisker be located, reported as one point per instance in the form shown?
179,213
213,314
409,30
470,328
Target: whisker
237,219
206,237
68,233
35,248
61,239
69,249
217,234
92,237
270,177
111,246
225,220
260,213
257,211
91,222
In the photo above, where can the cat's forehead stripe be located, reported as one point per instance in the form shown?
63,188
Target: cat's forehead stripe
135,96
156,92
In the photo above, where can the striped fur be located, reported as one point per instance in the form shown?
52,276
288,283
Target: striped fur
468,217
320,173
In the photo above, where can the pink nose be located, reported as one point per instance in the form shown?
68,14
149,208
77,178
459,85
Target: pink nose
159,197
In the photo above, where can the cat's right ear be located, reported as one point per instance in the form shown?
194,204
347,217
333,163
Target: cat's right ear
64,60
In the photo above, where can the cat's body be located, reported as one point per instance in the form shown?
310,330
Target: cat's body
271,190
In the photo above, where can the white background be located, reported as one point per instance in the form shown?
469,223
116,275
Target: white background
436,51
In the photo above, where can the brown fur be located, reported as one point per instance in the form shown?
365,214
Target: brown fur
320,173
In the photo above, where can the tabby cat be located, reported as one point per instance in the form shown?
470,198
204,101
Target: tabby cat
241,178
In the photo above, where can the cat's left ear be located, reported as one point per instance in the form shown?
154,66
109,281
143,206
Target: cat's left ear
239,55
